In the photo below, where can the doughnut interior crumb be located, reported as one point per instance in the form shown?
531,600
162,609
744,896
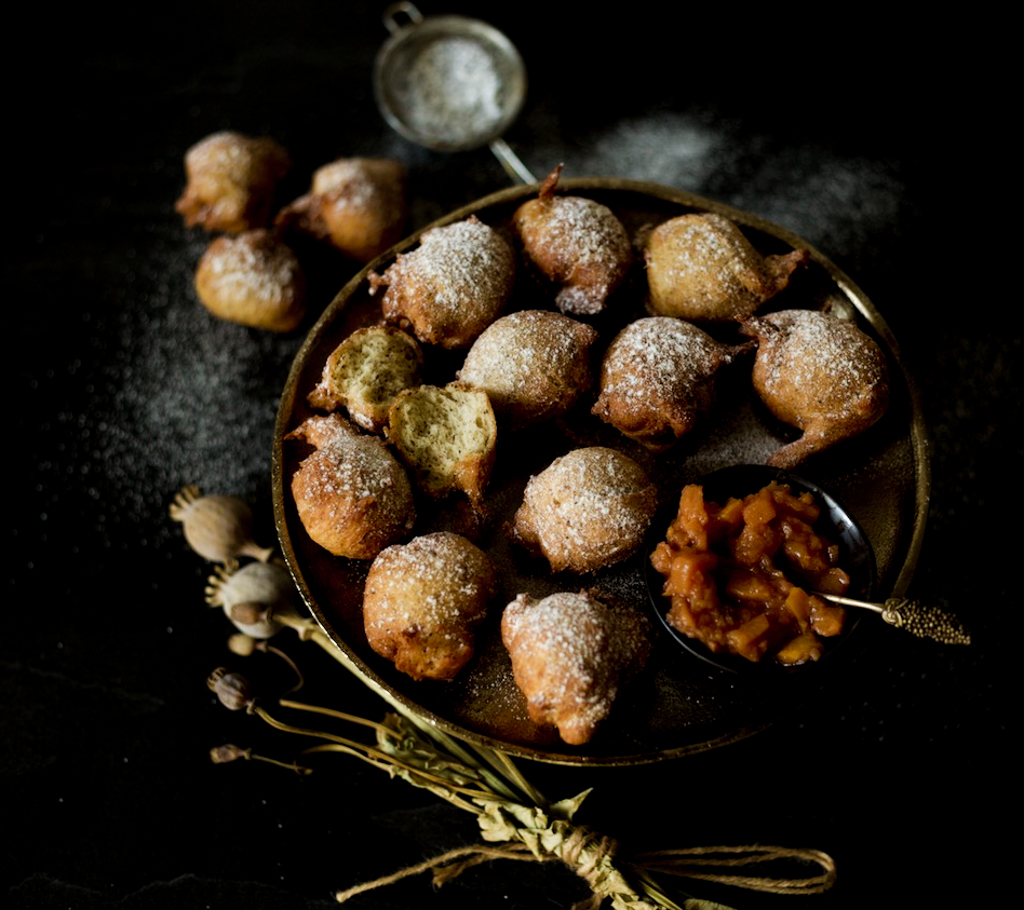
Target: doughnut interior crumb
365,373
447,437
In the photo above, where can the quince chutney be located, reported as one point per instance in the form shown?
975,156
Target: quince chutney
738,575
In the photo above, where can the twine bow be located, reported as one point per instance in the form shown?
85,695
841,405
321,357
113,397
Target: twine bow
593,856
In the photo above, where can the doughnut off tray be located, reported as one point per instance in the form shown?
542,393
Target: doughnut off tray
679,705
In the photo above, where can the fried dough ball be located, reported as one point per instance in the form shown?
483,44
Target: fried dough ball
446,436
586,510
571,654
451,287
423,600
577,243
231,182
701,267
658,379
533,365
358,205
366,371
254,279
351,494
820,374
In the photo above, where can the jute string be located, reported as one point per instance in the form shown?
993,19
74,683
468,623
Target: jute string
584,850
688,862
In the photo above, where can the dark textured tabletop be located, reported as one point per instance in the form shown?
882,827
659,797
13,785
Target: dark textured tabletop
124,389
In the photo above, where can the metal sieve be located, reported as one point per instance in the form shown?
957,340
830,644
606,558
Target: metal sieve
450,83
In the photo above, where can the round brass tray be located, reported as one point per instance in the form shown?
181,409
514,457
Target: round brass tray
679,705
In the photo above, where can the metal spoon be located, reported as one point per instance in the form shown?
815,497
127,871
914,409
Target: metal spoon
839,527
914,616
450,83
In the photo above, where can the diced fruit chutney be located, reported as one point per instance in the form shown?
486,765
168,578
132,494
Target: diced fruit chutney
738,575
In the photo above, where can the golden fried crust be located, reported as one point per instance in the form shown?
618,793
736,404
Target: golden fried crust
701,267
254,279
534,365
422,601
586,510
451,287
231,182
358,205
578,244
571,654
820,374
658,379
352,496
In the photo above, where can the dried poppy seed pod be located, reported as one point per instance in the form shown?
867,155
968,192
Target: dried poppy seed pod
251,595
220,755
233,689
249,613
218,528
241,644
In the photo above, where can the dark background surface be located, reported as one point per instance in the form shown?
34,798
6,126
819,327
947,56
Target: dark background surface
859,137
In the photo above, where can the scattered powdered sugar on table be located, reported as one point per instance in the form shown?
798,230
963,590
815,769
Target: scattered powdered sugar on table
670,148
175,399
837,203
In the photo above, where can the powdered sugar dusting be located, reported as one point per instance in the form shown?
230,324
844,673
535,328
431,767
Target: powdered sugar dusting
660,358
596,235
435,581
462,256
349,468
533,364
570,654
422,600
590,508
702,267
453,285
452,92
360,184
351,494
579,244
816,350
250,268
698,247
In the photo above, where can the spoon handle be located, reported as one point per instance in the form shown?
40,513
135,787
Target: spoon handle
914,616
